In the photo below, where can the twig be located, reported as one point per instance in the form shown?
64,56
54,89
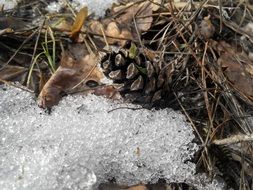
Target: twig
16,86
221,15
125,108
234,139
104,36
138,33
20,47
109,36
189,118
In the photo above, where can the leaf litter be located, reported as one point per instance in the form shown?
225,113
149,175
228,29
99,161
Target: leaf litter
193,56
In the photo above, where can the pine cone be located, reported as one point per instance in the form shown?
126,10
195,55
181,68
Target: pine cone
139,79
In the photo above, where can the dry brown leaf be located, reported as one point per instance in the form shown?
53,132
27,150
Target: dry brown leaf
61,24
156,4
17,73
6,31
43,80
140,12
95,27
10,72
78,50
113,186
108,92
13,23
144,17
207,29
150,54
238,69
121,7
112,31
138,187
76,27
70,73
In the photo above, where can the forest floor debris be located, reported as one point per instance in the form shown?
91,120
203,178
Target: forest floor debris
193,56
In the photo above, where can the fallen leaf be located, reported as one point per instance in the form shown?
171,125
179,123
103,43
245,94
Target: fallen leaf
43,79
70,73
6,31
150,54
156,4
207,29
60,24
11,72
249,69
13,23
115,35
112,30
76,73
140,12
95,27
108,92
138,187
79,21
113,186
238,69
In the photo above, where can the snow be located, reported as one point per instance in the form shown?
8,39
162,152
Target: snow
87,140
8,4
94,6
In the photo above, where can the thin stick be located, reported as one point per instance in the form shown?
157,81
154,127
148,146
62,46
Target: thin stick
104,36
189,118
234,139
125,108
138,33
20,47
221,16
16,86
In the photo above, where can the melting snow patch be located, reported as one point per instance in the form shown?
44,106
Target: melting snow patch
87,141
94,6
8,4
